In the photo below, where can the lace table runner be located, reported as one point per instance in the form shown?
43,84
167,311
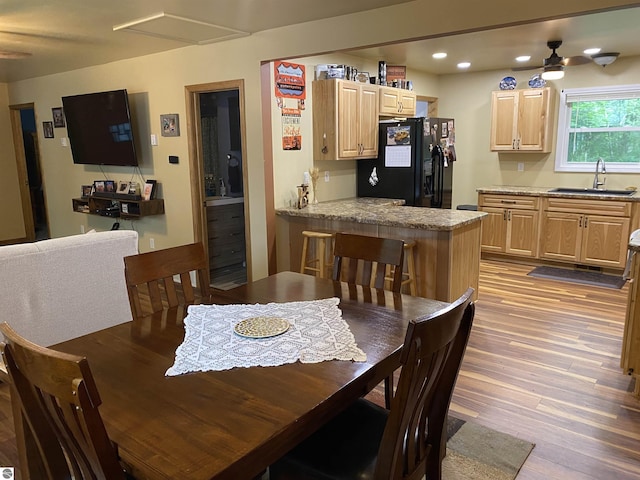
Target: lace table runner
317,333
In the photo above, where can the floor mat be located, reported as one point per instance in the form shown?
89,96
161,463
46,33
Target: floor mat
578,276
476,452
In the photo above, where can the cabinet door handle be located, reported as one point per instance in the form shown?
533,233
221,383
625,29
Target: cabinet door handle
508,202
504,215
580,222
586,220
513,144
509,215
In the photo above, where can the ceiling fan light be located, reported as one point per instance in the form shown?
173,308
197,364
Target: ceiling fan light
604,59
554,72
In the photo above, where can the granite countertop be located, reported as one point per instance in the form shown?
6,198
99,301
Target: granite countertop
546,192
388,212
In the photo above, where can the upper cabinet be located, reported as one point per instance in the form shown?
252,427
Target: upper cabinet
522,120
345,120
397,101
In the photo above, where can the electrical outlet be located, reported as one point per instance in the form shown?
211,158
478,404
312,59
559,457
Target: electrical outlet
152,243
326,176
521,166
81,228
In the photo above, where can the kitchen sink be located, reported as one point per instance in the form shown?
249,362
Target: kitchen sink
593,191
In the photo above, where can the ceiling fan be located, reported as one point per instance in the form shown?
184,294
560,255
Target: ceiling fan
553,66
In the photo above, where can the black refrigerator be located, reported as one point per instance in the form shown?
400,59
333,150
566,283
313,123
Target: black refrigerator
415,163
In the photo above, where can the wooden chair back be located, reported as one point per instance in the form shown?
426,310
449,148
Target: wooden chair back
55,401
368,258
415,435
155,271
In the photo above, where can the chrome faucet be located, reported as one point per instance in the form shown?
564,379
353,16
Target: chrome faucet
596,183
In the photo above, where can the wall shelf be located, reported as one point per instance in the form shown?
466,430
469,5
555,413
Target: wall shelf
127,208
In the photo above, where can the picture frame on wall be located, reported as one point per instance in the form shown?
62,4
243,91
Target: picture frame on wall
149,191
123,187
87,190
98,186
109,186
47,129
170,125
58,117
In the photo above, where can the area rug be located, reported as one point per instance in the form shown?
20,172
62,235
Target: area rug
578,276
475,452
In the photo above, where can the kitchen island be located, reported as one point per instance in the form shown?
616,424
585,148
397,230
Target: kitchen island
447,253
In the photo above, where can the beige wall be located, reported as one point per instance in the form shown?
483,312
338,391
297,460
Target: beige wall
11,223
156,84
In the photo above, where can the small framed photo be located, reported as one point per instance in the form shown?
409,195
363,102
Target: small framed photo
109,186
58,117
47,128
149,191
170,125
123,187
134,188
98,185
87,190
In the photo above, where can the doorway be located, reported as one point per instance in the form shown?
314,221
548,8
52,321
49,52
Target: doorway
218,178
31,182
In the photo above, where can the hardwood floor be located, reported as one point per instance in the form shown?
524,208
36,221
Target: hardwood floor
542,364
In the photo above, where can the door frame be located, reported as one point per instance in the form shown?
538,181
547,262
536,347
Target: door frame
23,177
196,163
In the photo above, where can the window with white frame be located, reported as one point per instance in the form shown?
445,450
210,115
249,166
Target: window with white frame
599,122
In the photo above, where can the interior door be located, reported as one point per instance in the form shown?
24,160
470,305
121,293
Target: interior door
197,138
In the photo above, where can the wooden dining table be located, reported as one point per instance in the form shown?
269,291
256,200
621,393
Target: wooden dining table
233,424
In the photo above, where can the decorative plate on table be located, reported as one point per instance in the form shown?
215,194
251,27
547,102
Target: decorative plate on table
508,83
261,327
536,81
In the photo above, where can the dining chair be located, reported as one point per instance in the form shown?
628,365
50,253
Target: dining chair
408,442
155,271
368,258
59,430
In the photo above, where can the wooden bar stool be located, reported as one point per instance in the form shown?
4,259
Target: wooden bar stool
321,262
409,272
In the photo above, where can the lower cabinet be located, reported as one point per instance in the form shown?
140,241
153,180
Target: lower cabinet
598,238
225,224
511,224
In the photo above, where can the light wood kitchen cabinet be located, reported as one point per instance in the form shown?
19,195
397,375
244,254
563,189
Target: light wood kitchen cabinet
598,238
630,355
345,120
511,224
397,101
522,120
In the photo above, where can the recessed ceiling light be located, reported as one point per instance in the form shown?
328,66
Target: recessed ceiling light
592,51
523,58
439,55
464,65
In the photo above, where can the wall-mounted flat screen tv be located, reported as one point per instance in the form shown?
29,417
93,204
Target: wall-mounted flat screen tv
99,128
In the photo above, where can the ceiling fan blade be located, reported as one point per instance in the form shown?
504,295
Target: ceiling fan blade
576,60
524,69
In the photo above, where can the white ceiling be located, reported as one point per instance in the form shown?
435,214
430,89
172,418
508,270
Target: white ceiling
62,35
614,31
